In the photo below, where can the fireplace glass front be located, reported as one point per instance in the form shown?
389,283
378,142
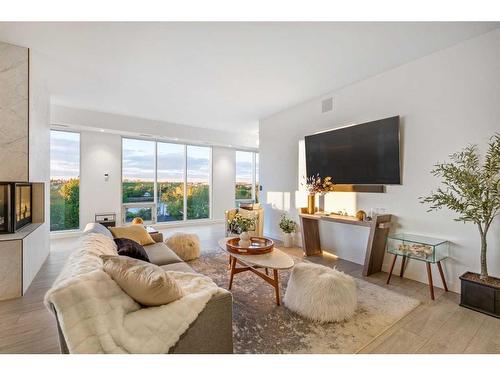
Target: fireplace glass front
5,223
15,206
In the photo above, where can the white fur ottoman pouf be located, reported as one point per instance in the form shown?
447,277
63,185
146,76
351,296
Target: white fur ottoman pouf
321,293
185,245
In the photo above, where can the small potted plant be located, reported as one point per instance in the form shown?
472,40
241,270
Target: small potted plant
244,225
472,189
288,226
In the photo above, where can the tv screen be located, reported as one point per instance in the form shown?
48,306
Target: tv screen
364,154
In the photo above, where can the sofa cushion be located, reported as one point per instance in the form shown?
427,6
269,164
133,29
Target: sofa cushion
132,249
160,254
180,267
97,228
146,283
134,232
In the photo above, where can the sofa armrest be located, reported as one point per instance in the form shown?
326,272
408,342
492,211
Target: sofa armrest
212,331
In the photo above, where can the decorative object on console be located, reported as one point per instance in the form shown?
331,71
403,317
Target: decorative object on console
106,219
472,189
311,198
185,245
361,215
427,249
317,185
320,293
288,226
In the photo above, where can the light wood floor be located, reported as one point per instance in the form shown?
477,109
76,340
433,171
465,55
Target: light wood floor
439,326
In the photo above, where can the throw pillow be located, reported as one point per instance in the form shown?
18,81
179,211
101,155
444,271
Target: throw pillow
136,233
146,283
132,249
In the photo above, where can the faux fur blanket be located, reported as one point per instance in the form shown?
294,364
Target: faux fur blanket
96,316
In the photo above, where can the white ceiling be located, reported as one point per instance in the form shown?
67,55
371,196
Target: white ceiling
219,75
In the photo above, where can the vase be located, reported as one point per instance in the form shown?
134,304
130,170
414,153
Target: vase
288,239
244,240
310,203
321,203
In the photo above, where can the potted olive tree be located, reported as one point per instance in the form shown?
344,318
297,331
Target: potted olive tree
288,226
471,188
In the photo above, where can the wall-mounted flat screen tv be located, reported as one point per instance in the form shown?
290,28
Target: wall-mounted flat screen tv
364,154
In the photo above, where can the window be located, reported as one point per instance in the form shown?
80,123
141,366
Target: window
164,182
64,180
247,188
198,182
244,178
170,175
138,170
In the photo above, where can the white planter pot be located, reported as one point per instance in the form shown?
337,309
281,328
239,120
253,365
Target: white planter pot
288,239
244,239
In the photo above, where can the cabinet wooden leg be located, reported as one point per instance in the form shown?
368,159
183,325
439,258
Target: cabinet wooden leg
392,268
442,276
429,276
403,266
233,267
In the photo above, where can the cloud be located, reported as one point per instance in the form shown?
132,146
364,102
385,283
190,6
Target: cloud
64,155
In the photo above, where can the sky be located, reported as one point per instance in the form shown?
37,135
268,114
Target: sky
138,160
64,155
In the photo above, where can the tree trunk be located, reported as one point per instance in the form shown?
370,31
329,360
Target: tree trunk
484,246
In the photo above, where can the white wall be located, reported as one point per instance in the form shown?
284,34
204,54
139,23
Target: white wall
100,154
223,180
39,165
81,119
446,101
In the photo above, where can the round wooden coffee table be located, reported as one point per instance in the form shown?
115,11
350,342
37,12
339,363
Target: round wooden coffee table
275,260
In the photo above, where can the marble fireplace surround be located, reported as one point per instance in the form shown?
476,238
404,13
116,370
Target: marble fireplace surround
14,112
21,253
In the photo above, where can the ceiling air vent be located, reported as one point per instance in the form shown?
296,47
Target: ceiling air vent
326,105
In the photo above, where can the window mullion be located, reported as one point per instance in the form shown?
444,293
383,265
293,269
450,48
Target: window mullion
155,187
185,183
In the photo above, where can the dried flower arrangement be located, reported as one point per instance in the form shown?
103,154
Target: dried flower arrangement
317,185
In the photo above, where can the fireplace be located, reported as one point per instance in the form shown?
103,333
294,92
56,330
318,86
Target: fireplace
15,206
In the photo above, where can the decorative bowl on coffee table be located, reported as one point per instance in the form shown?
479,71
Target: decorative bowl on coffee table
258,245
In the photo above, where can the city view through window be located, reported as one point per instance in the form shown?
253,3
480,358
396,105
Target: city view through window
180,192
64,180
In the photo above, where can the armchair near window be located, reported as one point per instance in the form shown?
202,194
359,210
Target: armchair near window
256,212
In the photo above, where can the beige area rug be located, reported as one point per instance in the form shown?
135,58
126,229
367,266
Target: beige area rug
259,326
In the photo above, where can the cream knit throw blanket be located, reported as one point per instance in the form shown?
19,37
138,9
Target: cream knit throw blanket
96,316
